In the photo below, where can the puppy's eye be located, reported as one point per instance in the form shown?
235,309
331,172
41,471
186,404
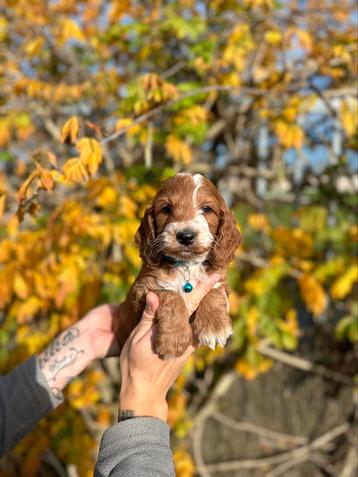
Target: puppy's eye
206,209
166,209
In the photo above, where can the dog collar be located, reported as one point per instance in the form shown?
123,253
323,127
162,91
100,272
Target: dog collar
187,287
175,262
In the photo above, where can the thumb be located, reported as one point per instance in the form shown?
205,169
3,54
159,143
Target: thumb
193,300
151,306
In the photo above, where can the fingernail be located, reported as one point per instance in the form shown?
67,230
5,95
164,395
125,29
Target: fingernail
148,306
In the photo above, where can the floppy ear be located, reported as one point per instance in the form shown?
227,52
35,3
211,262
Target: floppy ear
227,240
145,235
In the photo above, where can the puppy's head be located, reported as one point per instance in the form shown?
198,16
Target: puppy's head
188,220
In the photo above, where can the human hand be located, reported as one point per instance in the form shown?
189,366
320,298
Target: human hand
146,378
75,348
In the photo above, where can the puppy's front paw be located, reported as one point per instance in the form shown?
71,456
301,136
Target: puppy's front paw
170,345
212,324
213,336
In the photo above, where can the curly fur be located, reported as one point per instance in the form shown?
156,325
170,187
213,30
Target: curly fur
216,240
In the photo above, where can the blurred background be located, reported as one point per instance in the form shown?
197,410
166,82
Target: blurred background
100,100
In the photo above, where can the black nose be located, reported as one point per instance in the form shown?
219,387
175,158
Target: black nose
186,236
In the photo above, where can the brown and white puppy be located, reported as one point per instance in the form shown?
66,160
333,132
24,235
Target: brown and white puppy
186,233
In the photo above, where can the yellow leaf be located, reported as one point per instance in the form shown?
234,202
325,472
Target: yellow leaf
184,465
46,180
52,158
179,150
70,30
123,123
12,226
104,417
234,302
312,294
251,319
22,192
90,154
344,284
2,202
108,197
289,135
34,47
70,130
194,115
118,9
74,170
244,368
4,28
273,36
177,408
21,288
127,206
5,132
304,38
294,241
349,116
258,222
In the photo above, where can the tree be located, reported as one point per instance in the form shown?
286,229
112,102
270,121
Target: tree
101,100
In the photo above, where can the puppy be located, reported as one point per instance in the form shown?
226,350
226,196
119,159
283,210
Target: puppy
186,233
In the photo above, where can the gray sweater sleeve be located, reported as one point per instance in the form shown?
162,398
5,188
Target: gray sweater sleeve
138,447
25,397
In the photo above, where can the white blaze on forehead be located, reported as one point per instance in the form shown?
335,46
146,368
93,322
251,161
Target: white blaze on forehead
198,180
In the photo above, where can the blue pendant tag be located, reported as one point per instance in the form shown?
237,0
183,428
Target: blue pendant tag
187,287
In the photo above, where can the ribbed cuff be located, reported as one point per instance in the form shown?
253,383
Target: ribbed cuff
135,429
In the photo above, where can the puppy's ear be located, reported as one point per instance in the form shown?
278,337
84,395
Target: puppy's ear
227,240
145,235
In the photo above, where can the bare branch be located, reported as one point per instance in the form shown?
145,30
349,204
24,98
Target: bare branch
297,453
303,364
350,464
258,430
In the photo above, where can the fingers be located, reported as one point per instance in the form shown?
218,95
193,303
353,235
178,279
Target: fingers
200,291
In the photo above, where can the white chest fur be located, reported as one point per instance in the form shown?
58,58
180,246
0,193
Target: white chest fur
195,273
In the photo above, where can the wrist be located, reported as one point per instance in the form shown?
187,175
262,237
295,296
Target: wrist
133,404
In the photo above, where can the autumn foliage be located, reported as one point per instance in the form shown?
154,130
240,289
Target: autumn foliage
103,99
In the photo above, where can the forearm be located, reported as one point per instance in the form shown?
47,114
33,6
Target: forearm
66,356
34,388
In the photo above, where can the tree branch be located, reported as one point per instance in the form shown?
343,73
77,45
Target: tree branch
297,453
162,107
258,430
303,364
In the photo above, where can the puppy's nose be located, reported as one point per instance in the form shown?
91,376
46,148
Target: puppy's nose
186,236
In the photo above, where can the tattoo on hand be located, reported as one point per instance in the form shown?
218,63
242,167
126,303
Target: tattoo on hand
58,364
63,340
125,414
